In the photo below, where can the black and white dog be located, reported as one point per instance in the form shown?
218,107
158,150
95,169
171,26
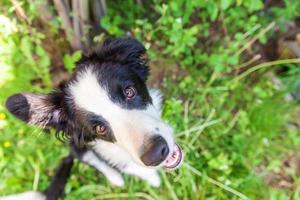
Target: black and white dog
112,120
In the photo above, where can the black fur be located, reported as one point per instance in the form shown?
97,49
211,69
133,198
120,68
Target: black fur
56,188
116,78
18,105
123,51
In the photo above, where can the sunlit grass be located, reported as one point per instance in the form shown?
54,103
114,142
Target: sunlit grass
234,130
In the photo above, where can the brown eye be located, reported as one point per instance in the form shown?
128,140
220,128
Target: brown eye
100,130
130,92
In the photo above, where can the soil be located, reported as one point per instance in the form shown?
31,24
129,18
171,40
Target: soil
285,177
159,69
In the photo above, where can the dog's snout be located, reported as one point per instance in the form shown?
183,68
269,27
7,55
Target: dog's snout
156,151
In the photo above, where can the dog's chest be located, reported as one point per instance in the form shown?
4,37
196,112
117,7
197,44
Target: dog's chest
112,154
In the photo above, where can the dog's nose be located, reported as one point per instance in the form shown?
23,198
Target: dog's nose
156,151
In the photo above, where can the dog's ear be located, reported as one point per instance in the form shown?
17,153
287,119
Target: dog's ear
127,51
36,109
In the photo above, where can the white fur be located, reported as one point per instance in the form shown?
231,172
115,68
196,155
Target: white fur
31,195
112,153
130,127
128,166
145,173
156,96
114,177
120,158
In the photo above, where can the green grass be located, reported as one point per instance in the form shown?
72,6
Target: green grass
225,138
231,120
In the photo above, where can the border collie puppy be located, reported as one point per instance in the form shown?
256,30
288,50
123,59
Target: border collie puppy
112,120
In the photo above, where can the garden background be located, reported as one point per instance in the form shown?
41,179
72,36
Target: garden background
229,71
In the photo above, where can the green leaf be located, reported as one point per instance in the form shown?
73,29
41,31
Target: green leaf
70,60
225,4
212,9
76,56
254,5
26,47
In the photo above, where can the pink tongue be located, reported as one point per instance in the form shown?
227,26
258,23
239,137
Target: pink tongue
175,159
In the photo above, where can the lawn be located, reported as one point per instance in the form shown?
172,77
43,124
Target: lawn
229,72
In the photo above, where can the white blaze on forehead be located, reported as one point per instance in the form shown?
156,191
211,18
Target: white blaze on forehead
89,95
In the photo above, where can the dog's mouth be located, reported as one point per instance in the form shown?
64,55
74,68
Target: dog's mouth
175,158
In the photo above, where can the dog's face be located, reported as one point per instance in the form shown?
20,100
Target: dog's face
107,99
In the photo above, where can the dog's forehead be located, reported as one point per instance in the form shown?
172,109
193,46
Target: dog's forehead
100,92
89,94
104,83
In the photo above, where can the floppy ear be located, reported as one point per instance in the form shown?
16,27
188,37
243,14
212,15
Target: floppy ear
36,109
126,51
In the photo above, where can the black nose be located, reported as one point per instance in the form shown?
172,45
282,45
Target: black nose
155,151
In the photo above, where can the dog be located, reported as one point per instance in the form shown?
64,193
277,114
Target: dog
110,118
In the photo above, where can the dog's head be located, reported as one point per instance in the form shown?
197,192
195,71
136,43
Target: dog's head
106,99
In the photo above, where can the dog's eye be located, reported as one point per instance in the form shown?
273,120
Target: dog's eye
130,92
100,130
